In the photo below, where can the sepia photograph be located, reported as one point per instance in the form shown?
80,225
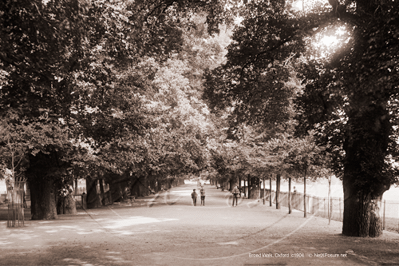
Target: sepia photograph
199,132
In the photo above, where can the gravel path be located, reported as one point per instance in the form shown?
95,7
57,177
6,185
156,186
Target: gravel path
168,230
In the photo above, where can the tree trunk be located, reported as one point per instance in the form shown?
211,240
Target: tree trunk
245,190
153,183
114,190
257,188
361,215
289,195
103,199
304,196
66,205
365,179
270,194
93,198
249,187
361,212
42,193
75,190
109,192
159,188
278,191
329,200
42,185
135,188
231,184
264,191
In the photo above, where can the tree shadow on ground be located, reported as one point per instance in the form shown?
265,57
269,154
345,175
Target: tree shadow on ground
69,255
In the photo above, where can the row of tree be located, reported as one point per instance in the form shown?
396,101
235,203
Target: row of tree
104,90
128,91
348,95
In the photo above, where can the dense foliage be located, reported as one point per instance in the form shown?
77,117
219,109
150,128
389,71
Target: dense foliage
93,88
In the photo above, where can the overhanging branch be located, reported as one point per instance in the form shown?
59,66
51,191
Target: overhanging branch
324,20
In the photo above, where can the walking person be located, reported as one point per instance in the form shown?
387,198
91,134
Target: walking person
202,193
236,192
194,196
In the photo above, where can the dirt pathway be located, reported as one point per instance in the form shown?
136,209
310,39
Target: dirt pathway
168,230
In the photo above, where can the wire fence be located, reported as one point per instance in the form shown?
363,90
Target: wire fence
389,210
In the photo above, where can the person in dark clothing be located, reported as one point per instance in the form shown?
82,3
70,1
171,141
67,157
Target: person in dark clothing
194,196
236,194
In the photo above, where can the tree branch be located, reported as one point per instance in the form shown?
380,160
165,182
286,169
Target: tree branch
264,52
323,22
167,4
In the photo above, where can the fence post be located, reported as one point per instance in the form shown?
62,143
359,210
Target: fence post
313,199
312,202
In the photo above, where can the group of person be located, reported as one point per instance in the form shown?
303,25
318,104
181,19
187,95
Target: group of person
194,196
236,194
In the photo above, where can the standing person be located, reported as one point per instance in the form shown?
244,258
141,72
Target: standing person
202,192
194,197
24,200
236,193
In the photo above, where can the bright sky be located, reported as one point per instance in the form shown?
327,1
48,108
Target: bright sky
332,40
297,5
328,43
329,40
308,5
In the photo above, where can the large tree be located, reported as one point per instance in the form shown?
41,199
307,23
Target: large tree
354,88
